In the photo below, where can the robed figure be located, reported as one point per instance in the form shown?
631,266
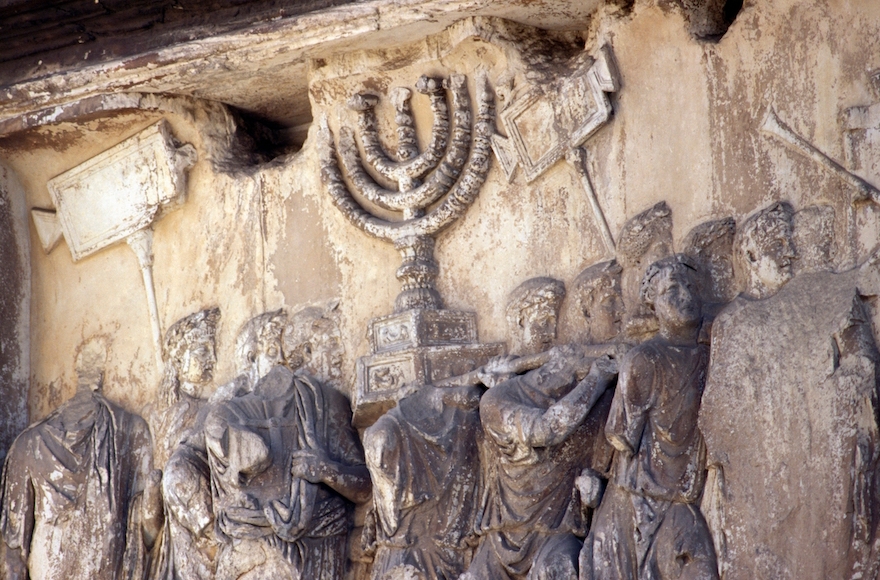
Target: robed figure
74,506
270,522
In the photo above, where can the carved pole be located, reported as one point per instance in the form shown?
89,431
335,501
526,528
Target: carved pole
777,128
772,125
141,243
577,158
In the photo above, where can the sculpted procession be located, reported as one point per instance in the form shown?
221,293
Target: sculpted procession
696,404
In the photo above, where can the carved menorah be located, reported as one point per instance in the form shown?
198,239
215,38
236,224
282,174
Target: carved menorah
452,168
421,342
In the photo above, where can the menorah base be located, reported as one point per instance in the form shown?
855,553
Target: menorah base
419,327
417,274
382,378
418,298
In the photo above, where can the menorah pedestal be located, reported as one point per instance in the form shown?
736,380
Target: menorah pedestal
415,347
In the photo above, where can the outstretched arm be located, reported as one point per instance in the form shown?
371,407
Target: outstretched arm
350,481
563,417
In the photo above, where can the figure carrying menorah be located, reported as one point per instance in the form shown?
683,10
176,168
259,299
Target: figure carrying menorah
421,440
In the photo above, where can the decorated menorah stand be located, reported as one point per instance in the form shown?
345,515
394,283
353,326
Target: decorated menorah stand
421,342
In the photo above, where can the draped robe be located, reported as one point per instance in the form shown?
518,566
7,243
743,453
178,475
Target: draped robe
647,520
269,523
423,457
72,489
532,515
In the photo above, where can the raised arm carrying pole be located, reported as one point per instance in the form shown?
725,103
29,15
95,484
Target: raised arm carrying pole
534,361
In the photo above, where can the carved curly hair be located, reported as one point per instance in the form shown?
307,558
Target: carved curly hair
182,334
676,262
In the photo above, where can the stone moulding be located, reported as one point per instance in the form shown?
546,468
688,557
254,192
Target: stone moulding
422,328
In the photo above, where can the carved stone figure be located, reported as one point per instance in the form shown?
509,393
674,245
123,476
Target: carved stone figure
80,498
258,349
532,314
709,246
644,239
537,443
597,293
186,482
189,369
765,250
423,455
188,544
311,341
648,525
813,236
285,466
789,416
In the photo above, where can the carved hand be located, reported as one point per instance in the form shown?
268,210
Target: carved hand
315,466
604,369
153,493
153,512
497,370
407,390
567,352
590,486
311,465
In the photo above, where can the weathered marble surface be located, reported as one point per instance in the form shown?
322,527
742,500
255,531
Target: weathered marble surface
80,498
284,462
648,524
542,430
789,417
625,132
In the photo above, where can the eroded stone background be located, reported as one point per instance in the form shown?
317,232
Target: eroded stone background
258,234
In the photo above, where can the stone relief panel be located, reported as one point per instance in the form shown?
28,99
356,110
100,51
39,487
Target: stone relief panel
648,524
116,196
185,547
543,430
692,390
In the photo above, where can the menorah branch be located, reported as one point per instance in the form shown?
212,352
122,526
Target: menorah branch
452,180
